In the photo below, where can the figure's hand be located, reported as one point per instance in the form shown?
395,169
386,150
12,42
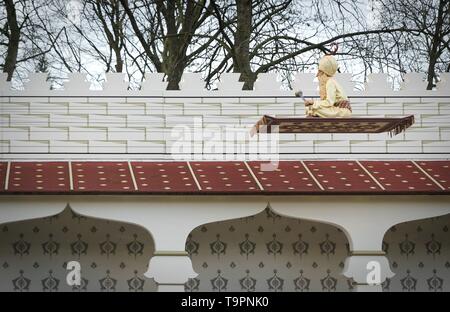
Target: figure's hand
309,102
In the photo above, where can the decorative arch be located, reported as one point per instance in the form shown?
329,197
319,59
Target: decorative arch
419,254
267,252
113,255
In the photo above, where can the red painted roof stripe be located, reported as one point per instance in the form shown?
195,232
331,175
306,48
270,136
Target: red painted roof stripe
227,177
371,176
438,170
342,176
290,176
163,177
397,176
224,176
101,176
39,177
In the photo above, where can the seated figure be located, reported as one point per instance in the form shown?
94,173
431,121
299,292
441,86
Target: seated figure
333,100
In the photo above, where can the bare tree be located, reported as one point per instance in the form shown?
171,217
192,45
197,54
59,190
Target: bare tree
217,36
283,35
11,31
166,32
111,18
19,35
422,47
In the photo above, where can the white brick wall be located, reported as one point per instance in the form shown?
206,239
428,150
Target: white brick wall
68,146
422,109
29,146
107,120
29,120
15,108
422,134
436,147
239,109
146,147
87,108
68,120
189,121
126,134
331,146
14,133
297,147
444,108
99,123
125,108
156,134
384,109
49,108
153,108
276,109
4,146
118,147
145,120
201,109
445,134
88,133
368,147
50,134
404,147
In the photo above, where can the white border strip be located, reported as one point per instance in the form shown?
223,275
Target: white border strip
429,176
371,176
254,176
193,176
70,175
132,176
8,168
311,175
168,157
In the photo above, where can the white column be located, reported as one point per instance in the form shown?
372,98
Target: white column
368,270
170,270
364,220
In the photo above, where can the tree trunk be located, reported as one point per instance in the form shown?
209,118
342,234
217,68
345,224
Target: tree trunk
119,60
241,47
174,62
14,39
436,41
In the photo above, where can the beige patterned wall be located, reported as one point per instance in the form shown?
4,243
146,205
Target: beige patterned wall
419,254
113,255
268,252
265,252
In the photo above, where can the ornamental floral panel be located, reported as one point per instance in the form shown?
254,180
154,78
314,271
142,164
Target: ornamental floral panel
267,252
113,255
419,254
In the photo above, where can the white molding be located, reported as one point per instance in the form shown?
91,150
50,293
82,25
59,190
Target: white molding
194,176
169,157
133,178
261,188
8,169
365,218
370,175
429,176
70,175
312,176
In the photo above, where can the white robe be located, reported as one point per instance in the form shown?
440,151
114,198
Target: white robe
326,108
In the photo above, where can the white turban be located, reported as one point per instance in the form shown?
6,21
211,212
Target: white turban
328,65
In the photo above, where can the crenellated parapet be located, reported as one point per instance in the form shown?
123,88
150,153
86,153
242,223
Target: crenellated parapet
192,84
117,120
